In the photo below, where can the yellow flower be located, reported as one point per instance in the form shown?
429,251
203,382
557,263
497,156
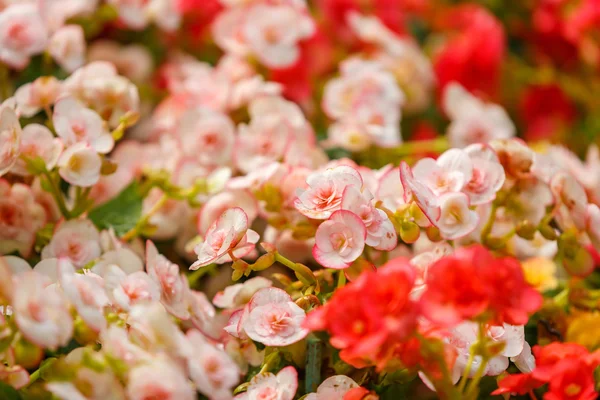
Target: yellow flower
540,272
584,329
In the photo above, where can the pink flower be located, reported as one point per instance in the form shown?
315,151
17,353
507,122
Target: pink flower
37,141
273,319
67,47
282,386
173,284
219,203
238,295
214,373
116,343
10,139
133,61
325,190
473,121
456,218
80,165
37,95
85,292
340,240
76,240
449,173
229,233
207,135
138,14
161,378
22,34
125,290
333,388
592,223
75,123
99,87
488,175
419,193
20,218
41,311
571,197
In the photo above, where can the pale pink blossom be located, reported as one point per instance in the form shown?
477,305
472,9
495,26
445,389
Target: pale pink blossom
16,264
238,295
456,218
223,201
229,233
366,102
381,233
333,388
587,173
14,375
41,311
98,385
124,258
272,32
207,135
67,47
80,165
423,260
37,141
85,292
10,139
516,157
472,120
571,197
348,134
488,175
260,143
76,240
75,123
56,12
20,218
340,240
449,173
137,14
272,318
214,373
161,378
49,268
22,34
156,331
132,61
325,190
243,352
172,283
99,87
390,190
37,95
592,223
116,342
125,291
282,386
420,193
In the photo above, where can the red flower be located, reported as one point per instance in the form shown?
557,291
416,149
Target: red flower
517,384
546,110
455,290
373,310
512,299
360,393
471,282
572,379
568,368
474,51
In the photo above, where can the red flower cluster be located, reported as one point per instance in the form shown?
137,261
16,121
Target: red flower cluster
473,54
567,368
368,313
472,282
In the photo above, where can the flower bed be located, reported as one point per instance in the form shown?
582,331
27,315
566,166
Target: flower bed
292,199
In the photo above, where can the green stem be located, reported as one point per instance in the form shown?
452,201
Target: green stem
465,376
270,360
135,231
436,145
472,387
57,195
313,363
199,273
487,228
341,279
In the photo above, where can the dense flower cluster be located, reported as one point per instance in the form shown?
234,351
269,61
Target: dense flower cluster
296,199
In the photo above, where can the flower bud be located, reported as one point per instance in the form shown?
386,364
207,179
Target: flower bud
526,230
409,232
263,262
27,354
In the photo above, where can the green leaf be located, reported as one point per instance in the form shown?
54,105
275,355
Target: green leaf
121,213
7,392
